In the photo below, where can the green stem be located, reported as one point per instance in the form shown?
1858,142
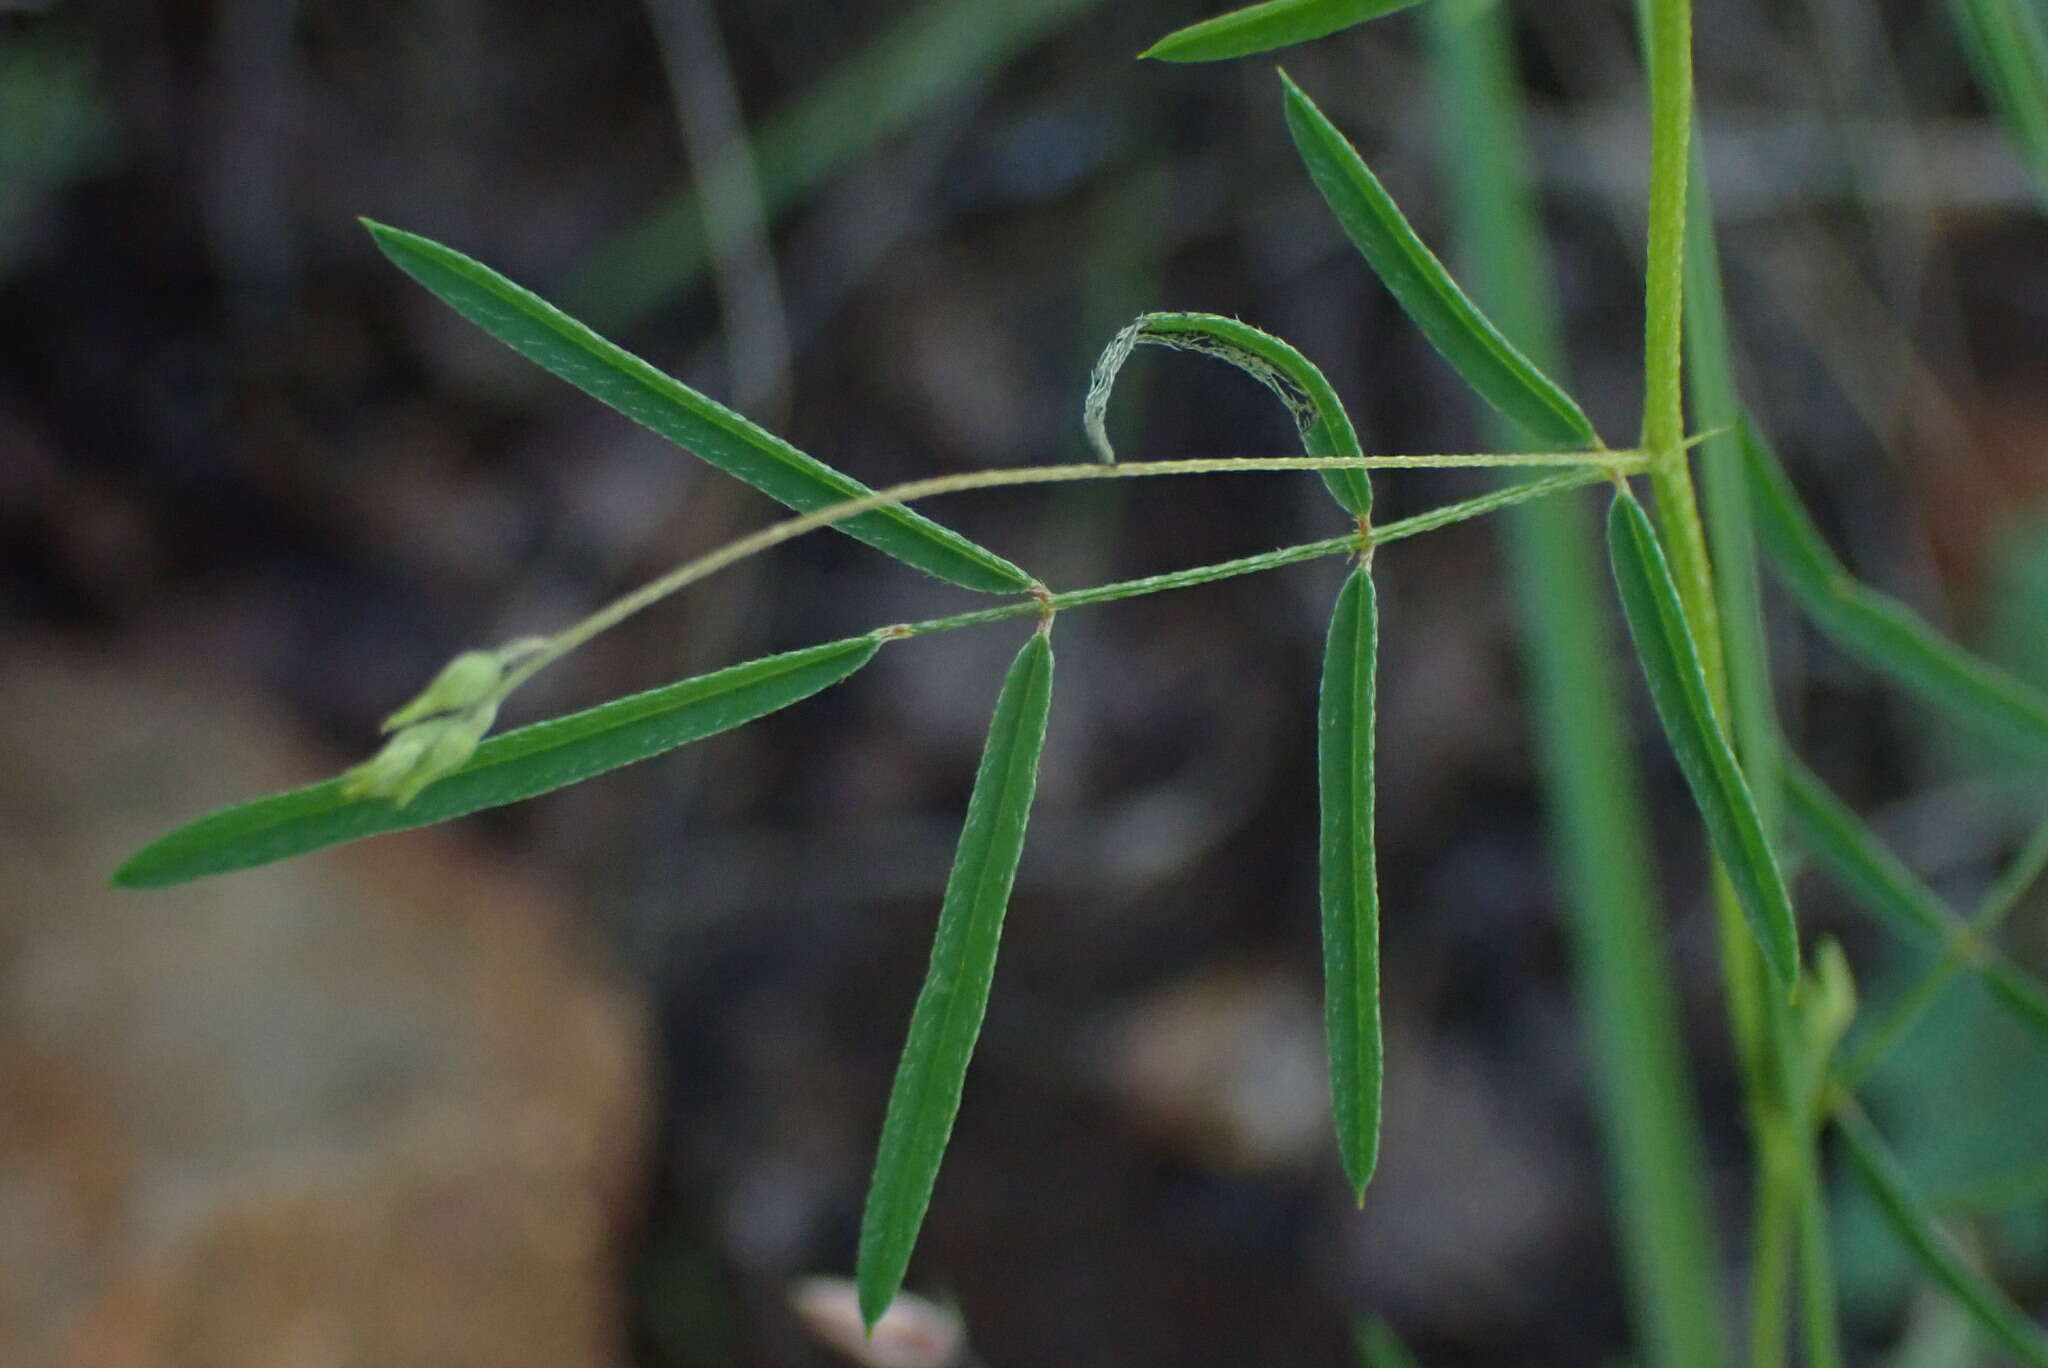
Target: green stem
1780,1141
1818,1315
1667,40
1771,1260
1352,543
1580,467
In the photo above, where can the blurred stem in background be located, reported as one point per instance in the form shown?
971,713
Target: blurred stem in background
940,47
733,218
1598,825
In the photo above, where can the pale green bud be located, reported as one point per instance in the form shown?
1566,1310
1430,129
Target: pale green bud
418,755
1828,1004
469,679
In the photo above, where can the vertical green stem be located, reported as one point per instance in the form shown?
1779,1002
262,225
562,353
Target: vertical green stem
1770,1266
1781,1145
1599,830
1667,39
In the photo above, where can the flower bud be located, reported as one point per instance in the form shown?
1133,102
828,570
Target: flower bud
469,679
418,755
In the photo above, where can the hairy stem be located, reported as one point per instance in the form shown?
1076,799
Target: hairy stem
1353,543
1780,1143
1581,467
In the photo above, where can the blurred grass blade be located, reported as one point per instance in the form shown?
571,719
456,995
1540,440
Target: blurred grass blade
1731,528
1455,327
2008,48
1319,415
1378,1346
1879,630
2022,993
1263,27
1595,816
1678,687
1851,852
505,769
1937,1253
1350,890
560,345
938,49
947,1018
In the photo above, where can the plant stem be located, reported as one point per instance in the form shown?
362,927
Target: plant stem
1581,467
1770,1259
1667,40
1352,543
1819,1316
1781,1137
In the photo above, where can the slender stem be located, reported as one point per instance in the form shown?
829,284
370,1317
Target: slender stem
1585,466
1771,1262
1266,560
1667,41
1819,1318
1349,544
1781,1142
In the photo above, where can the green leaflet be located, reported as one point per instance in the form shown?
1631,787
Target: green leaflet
1350,890
1678,687
560,345
1263,27
2008,48
1851,852
505,769
1319,414
1915,1226
1879,630
947,1019
1489,363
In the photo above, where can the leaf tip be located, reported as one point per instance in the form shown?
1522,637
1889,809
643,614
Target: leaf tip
1359,1164
874,1296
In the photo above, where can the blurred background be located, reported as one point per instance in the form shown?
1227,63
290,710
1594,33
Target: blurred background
591,1080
